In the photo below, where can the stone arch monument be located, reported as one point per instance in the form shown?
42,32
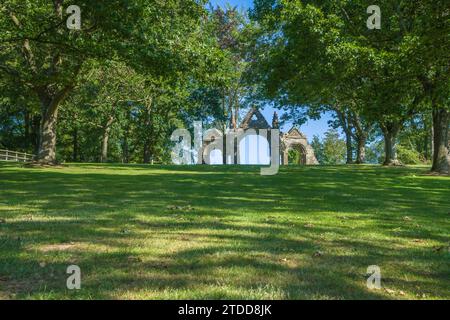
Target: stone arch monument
252,123
296,140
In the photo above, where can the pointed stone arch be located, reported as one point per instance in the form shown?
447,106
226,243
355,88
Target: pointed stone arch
254,120
292,140
255,124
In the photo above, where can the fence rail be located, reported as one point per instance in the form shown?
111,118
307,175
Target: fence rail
7,155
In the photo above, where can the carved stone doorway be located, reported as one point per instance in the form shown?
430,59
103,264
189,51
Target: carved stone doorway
296,154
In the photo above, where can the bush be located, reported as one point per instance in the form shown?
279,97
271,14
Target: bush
408,156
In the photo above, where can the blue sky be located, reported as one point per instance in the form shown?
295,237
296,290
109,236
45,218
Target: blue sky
240,3
312,127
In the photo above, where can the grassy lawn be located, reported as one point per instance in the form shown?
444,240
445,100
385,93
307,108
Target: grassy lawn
207,232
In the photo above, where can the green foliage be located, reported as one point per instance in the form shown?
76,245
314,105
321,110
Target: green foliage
334,148
330,151
317,145
137,30
234,35
321,53
294,156
157,38
151,66
375,152
408,156
417,135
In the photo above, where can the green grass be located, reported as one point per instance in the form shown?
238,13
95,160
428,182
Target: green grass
235,234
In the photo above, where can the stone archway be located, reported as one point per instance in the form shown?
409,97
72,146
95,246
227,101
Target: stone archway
212,147
231,148
295,140
300,157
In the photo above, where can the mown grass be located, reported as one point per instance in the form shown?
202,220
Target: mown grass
206,232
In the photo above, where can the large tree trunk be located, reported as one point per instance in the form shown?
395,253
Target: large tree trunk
362,132
75,145
390,133
126,150
432,141
147,152
105,139
47,138
126,145
441,156
35,129
50,102
148,126
361,152
425,143
344,122
233,119
27,129
348,142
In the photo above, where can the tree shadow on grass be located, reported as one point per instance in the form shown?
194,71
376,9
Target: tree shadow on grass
244,238
243,262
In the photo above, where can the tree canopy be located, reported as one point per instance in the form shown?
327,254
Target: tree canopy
113,85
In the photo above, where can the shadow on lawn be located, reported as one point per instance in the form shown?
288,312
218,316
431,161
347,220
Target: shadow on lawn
258,258
254,262
334,188
271,248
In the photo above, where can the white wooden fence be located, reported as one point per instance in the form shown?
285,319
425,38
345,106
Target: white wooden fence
7,155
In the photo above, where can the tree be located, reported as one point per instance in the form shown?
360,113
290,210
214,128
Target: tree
106,94
321,52
426,50
47,57
334,148
330,151
299,66
234,34
158,115
19,121
317,145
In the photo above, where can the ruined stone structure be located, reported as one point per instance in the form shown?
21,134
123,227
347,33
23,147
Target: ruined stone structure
252,123
295,140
